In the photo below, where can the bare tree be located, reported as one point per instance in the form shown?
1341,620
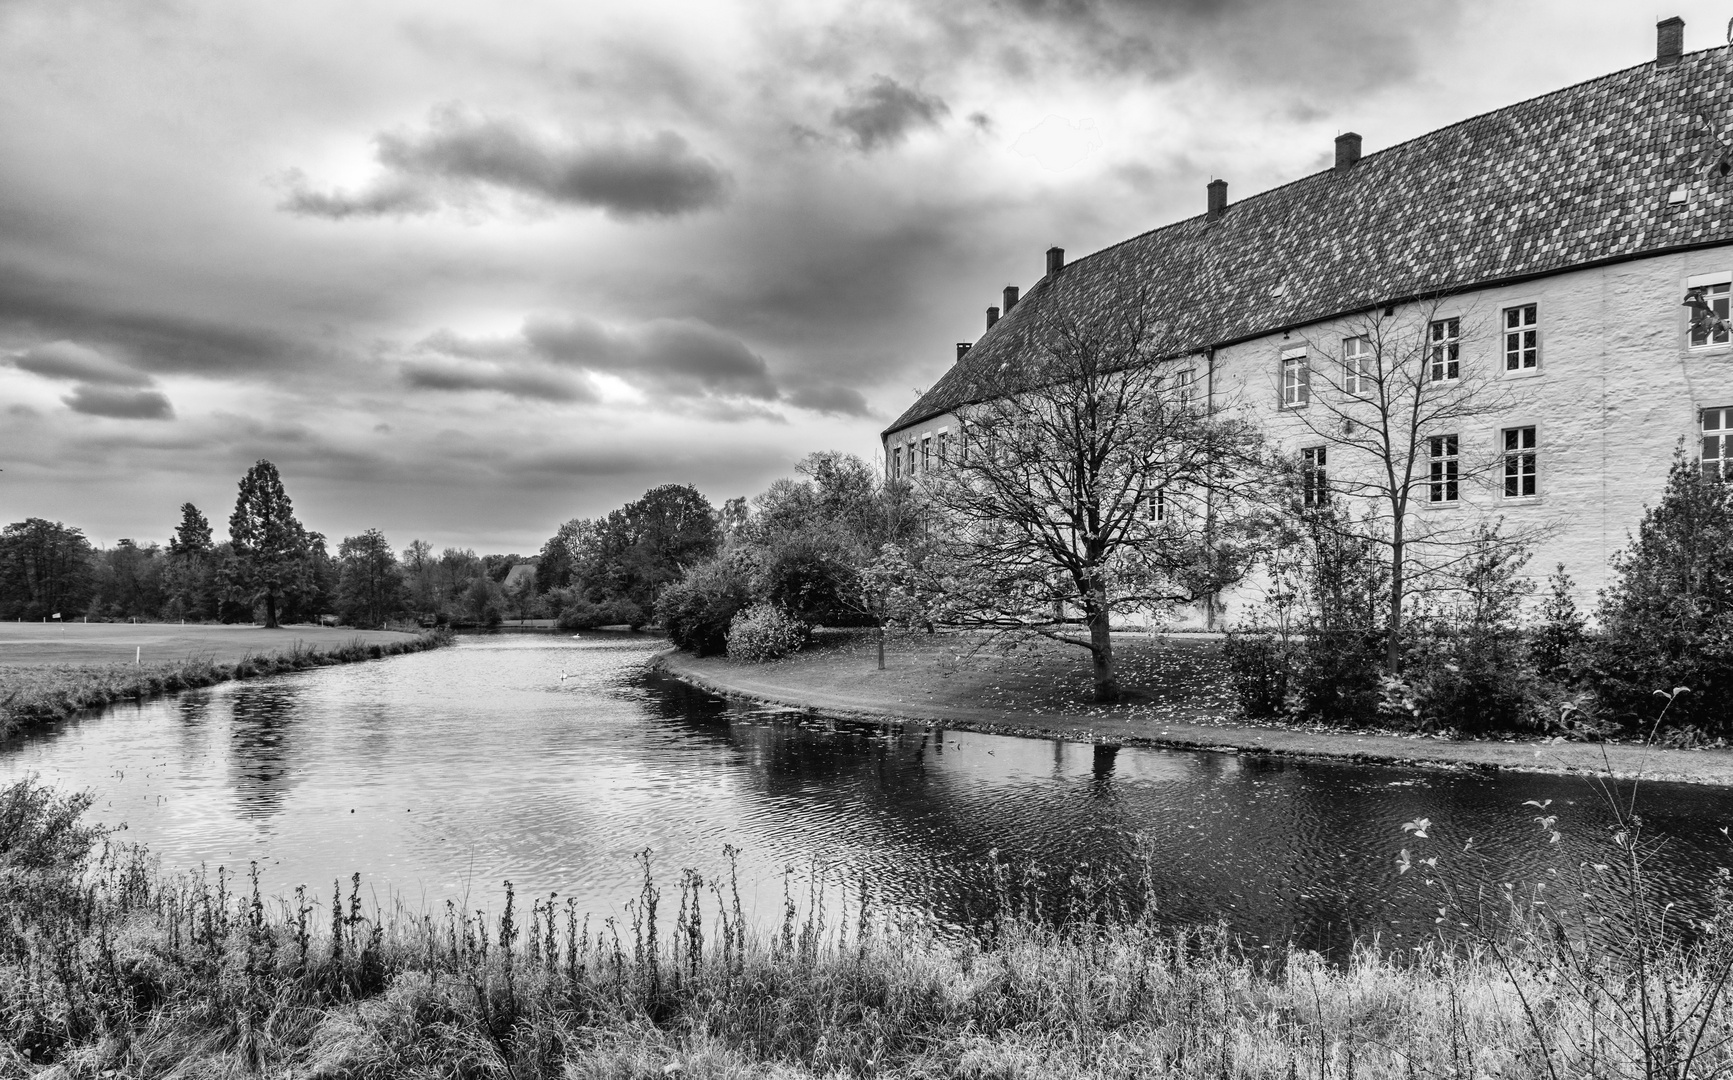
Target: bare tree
1090,480
1394,407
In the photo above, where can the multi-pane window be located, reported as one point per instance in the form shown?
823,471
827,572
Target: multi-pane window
1521,338
1186,387
1155,505
914,462
1718,444
926,452
1443,479
1313,484
944,448
896,463
1443,349
1358,373
1519,462
1710,327
1296,381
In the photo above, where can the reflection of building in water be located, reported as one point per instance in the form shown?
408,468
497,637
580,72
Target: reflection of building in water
262,747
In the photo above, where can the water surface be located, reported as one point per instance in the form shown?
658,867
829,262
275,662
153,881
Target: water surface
551,762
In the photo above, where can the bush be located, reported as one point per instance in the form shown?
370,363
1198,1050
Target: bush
1260,672
696,610
764,632
1667,620
1557,642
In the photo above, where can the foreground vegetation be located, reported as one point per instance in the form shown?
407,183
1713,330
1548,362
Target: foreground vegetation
108,968
31,696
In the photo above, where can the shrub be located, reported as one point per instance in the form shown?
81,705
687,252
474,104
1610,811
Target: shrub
1667,619
579,613
697,610
1260,672
1558,640
764,632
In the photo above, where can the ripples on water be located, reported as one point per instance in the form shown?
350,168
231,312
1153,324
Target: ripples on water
439,775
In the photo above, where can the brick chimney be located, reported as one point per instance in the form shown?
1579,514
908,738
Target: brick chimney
1218,198
992,317
1055,260
1669,41
1010,298
962,347
1347,151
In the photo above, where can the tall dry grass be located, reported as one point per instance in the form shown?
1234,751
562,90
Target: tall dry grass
109,968
33,696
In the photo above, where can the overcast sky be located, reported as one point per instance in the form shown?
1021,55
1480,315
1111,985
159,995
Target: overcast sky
464,271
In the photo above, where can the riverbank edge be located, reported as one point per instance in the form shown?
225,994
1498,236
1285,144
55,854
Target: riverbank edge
1710,767
67,690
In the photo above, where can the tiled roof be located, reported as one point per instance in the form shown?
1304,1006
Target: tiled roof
1578,176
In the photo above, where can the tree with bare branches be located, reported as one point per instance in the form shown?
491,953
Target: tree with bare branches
1091,479
1393,410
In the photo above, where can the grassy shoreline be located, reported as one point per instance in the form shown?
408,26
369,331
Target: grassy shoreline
38,695
108,968
1178,701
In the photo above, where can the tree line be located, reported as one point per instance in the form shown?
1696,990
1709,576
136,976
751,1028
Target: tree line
271,569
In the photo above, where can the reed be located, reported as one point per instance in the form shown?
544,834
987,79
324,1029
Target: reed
108,967
34,696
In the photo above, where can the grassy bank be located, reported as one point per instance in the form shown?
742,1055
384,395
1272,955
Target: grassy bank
107,968
1176,696
41,694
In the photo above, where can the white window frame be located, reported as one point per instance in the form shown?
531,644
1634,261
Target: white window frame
1521,338
1358,370
926,453
1520,447
897,462
1185,388
944,445
1444,470
1444,350
1715,426
1296,379
1718,291
1314,476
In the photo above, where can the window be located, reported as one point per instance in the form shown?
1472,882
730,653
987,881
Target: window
1705,329
944,448
1155,505
1521,339
1296,381
896,463
1718,444
1312,476
1357,360
1186,387
1519,453
926,452
1443,346
914,469
1443,480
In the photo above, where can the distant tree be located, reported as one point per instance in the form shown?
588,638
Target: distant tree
484,601
128,582
1667,618
189,572
271,548
45,567
555,567
623,561
193,535
370,583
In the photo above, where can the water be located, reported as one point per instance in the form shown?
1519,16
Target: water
442,774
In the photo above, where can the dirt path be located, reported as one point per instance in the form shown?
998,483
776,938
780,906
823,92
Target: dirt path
1178,699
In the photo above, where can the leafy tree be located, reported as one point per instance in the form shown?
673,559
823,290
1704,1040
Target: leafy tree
45,567
189,572
1562,630
622,562
193,535
370,583
1667,619
128,582
272,550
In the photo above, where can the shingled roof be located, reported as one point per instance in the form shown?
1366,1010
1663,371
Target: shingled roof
1570,179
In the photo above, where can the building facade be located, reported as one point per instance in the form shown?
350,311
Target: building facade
1571,255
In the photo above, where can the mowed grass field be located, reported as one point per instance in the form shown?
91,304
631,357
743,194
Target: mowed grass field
37,644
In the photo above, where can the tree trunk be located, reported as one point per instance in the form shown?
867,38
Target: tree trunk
1393,629
1101,646
270,611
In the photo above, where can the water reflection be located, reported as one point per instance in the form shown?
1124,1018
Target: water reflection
438,775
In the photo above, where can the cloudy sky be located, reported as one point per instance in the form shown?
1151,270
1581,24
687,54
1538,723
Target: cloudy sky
464,271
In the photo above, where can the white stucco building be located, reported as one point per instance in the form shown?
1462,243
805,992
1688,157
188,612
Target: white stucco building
1568,228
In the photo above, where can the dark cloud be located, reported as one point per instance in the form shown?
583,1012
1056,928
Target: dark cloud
519,379
884,113
655,176
831,400
74,362
119,402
